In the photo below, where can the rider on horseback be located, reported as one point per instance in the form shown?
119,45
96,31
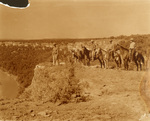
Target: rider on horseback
131,49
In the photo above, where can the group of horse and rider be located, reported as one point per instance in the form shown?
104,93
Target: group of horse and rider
110,52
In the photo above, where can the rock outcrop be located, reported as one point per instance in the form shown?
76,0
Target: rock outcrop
55,83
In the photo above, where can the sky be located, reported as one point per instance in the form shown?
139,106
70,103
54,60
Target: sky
47,19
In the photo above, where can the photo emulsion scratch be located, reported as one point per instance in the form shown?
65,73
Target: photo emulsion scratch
74,60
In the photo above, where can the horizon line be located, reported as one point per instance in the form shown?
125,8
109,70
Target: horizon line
72,38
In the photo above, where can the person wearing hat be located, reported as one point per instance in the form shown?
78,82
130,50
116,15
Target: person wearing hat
93,49
131,48
55,54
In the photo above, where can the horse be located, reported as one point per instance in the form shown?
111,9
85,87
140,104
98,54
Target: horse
124,55
100,54
87,55
103,57
138,59
117,59
77,55
111,55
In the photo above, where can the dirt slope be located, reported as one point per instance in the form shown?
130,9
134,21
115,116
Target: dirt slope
114,96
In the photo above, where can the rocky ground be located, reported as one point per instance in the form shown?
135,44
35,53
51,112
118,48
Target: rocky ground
114,96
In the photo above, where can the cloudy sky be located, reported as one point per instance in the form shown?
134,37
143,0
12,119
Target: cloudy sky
75,19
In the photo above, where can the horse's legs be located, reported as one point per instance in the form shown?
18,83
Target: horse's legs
88,63
119,62
141,66
104,64
75,60
108,64
116,63
100,62
83,61
137,66
122,60
127,66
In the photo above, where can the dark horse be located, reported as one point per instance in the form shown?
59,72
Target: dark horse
138,59
101,55
87,55
124,54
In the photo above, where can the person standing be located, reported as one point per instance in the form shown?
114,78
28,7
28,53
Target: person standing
110,50
93,49
55,54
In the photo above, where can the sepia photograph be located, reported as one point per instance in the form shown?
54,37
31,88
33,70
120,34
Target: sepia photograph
75,60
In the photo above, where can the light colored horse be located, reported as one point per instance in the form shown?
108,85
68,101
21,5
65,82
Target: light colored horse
103,57
124,54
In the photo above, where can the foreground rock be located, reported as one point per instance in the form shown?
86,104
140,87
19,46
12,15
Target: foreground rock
55,83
